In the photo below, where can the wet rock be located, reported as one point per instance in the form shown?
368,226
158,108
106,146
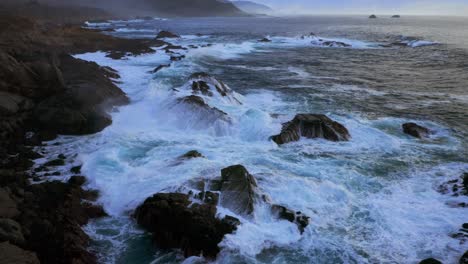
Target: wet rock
302,221
76,169
55,163
311,126
464,258
207,113
416,130
13,254
396,16
166,34
265,40
455,187
160,67
430,261
77,180
175,224
8,208
237,187
10,230
372,16
335,44
177,58
192,154
208,85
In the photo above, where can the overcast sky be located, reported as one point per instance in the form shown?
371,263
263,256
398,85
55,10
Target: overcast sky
431,7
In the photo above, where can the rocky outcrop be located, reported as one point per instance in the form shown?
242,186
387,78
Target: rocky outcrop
166,34
205,84
237,187
265,40
311,126
177,223
416,130
396,16
464,258
281,212
455,187
372,16
192,154
430,261
209,114
12,254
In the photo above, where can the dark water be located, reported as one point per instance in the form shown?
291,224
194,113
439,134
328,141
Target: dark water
373,200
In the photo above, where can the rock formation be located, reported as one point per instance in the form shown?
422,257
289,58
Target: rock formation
416,130
311,126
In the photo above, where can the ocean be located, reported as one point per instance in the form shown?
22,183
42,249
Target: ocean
374,199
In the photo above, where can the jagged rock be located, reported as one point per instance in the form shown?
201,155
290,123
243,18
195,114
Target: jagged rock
207,85
10,230
237,187
416,130
192,154
166,34
207,113
76,169
302,221
55,162
177,58
175,224
464,258
430,261
77,180
265,40
8,208
12,254
160,67
311,126
335,44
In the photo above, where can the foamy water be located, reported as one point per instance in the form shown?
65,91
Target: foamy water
371,200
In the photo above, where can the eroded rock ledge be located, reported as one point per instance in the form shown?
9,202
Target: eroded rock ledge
311,126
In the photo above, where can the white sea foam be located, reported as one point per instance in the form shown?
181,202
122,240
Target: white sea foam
358,213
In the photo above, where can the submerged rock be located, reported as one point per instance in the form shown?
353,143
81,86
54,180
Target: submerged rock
311,126
265,40
430,261
237,187
208,113
160,67
175,223
192,155
166,34
416,130
302,221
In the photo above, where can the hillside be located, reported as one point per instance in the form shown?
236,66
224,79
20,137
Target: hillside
252,7
193,8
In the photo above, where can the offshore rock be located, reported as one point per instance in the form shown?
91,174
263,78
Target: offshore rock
416,130
301,220
166,34
311,126
238,187
175,223
196,104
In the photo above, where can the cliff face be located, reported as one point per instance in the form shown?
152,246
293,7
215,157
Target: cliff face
252,7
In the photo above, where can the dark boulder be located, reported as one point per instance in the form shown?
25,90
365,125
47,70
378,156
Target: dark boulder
77,180
430,261
202,82
10,230
55,162
335,44
237,187
265,40
12,254
301,220
416,130
311,126
175,223
372,16
192,155
396,16
166,34
76,169
464,258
